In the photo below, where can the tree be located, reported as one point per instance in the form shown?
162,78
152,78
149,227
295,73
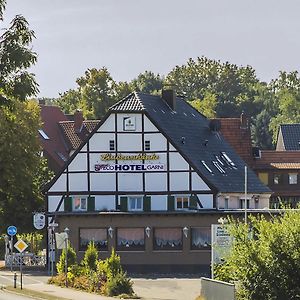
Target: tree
147,82
15,58
207,106
21,167
287,92
265,259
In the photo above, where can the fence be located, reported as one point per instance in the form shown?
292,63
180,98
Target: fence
26,259
216,290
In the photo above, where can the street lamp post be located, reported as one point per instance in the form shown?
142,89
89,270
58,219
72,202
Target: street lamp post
246,202
67,230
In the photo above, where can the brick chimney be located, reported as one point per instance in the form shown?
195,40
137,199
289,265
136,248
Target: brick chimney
169,95
78,120
244,121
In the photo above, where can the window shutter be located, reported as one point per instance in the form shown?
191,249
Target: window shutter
68,204
91,204
193,202
147,203
124,204
171,203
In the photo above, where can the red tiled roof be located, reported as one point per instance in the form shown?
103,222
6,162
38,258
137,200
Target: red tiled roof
54,146
238,137
271,159
73,138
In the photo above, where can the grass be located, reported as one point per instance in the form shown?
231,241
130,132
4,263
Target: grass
33,294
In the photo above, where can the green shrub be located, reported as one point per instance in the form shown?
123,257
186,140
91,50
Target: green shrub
90,257
119,284
71,259
110,266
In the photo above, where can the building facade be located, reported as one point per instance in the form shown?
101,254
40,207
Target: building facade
149,181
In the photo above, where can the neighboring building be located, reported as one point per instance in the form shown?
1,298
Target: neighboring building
288,137
60,136
149,181
278,169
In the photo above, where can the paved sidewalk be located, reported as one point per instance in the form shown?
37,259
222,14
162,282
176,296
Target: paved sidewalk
67,293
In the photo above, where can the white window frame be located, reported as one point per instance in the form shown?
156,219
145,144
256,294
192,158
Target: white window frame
182,196
291,176
81,208
136,198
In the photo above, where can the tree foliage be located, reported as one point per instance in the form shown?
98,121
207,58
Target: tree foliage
21,167
16,57
265,259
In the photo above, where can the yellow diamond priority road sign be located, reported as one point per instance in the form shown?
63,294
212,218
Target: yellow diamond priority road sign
20,246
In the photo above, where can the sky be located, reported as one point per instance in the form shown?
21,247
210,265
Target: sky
131,36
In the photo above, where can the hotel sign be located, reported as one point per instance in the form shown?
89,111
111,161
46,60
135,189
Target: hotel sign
129,167
109,156
129,124
107,164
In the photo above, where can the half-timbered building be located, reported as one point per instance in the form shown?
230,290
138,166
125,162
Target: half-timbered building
149,181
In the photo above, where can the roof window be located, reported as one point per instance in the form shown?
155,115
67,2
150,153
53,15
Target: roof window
206,166
218,167
61,156
228,160
43,134
219,160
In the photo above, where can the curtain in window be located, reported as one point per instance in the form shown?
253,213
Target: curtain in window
201,237
169,237
97,235
131,237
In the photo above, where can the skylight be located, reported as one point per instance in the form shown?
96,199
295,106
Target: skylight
228,160
43,134
206,166
218,167
219,160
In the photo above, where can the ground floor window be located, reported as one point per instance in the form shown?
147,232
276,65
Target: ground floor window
96,235
130,239
168,239
201,238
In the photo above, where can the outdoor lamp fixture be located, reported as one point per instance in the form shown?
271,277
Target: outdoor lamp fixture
222,221
67,230
148,231
110,232
185,231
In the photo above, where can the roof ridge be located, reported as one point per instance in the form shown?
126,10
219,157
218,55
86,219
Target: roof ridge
121,101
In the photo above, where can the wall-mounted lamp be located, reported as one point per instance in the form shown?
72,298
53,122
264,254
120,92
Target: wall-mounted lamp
222,221
185,231
148,231
110,232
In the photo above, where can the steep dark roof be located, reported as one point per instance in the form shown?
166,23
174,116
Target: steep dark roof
291,136
189,132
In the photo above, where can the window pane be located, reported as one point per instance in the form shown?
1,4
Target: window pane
97,235
83,203
76,203
179,202
139,203
131,203
185,203
292,178
201,238
130,239
168,239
